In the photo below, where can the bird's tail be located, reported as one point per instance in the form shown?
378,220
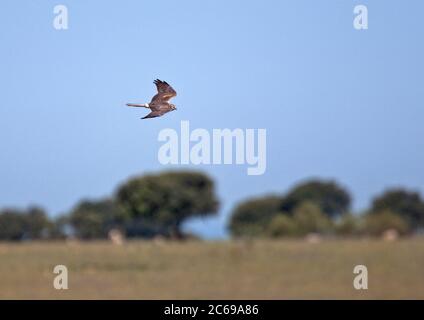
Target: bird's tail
144,105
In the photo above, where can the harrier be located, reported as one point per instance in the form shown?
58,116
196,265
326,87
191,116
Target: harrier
159,104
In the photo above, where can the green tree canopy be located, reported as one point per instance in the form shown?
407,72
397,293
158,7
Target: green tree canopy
350,225
16,224
332,199
406,203
92,219
37,223
377,223
309,218
12,224
306,218
167,199
251,217
282,225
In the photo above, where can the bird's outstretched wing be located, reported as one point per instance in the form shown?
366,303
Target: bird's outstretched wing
165,91
153,114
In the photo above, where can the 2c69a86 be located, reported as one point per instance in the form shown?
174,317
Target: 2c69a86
233,309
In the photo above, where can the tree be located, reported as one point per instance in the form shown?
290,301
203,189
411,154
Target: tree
282,225
332,199
18,224
37,224
350,225
12,224
309,218
377,223
251,217
407,204
58,227
166,200
92,219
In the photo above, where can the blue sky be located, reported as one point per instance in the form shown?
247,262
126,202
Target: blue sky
336,102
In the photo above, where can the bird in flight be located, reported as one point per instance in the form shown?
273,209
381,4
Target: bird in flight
159,104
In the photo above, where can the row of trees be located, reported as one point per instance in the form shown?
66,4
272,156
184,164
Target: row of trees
158,204
324,207
144,206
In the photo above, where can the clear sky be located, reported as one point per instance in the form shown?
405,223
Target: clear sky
336,102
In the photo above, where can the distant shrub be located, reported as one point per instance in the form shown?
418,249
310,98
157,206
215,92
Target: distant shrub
282,225
30,224
349,225
329,196
309,218
92,219
405,203
377,223
252,217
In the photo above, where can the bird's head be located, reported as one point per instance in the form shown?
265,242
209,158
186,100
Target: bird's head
173,107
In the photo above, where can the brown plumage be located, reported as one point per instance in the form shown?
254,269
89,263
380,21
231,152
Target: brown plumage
159,104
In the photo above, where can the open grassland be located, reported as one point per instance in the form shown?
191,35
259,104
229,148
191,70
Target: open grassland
214,270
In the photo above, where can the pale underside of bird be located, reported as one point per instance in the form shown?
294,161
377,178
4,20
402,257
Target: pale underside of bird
159,105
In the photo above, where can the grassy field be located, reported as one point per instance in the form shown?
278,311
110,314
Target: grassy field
214,270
